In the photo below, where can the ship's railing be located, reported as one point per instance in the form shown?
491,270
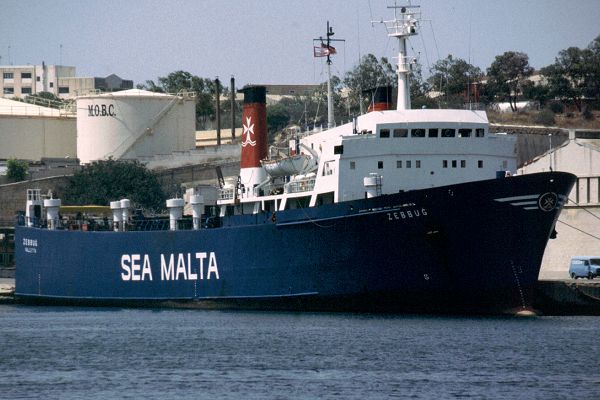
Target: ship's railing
272,189
161,223
300,185
105,224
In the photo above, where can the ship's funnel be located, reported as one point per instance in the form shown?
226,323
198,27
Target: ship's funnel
254,138
380,98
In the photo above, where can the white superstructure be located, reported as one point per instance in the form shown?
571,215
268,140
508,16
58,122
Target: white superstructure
381,152
411,149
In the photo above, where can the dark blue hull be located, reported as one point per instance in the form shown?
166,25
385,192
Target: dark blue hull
469,247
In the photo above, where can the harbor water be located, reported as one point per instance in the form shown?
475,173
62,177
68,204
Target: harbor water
110,353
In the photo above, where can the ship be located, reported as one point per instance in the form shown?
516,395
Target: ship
399,210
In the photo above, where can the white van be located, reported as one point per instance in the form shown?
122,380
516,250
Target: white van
584,267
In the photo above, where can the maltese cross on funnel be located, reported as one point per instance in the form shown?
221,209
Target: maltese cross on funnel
248,130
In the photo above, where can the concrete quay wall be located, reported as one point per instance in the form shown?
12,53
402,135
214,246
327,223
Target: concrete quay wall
533,141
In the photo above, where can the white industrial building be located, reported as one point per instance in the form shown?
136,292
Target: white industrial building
134,123
578,226
25,80
31,132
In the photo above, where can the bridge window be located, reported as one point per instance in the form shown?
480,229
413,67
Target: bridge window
384,133
464,132
433,132
479,132
418,133
338,149
447,132
400,132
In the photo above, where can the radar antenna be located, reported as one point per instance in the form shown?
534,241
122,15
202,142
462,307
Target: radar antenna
406,22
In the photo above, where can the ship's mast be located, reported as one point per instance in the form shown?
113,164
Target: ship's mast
405,24
327,50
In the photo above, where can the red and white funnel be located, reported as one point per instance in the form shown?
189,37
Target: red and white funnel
254,137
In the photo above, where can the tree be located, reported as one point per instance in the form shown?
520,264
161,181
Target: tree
575,74
537,92
104,181
278,117
317,102
507,74
308,109
593,83
204,89
16,170
368,74
419,89
452,78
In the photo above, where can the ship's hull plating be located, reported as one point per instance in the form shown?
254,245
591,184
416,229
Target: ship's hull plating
469,247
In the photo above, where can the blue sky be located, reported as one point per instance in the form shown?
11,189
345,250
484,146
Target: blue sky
270,41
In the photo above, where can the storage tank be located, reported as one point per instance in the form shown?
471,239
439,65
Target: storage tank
134,123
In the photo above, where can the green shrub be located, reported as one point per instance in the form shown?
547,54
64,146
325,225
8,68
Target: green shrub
107,180
556,107
16,170
545,117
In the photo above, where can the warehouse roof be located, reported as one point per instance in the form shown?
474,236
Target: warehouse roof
20,109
